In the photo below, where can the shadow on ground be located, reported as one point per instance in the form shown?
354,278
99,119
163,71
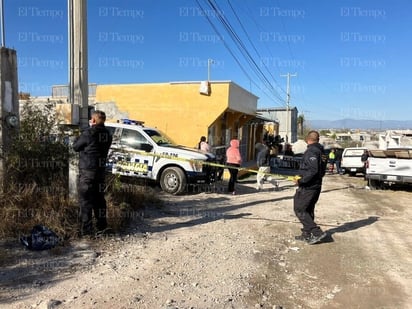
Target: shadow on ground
24,271
349,226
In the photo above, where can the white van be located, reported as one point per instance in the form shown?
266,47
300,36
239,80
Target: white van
351,160
143,152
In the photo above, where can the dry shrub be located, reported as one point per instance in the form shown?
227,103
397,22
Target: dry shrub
126,201
36,190
22,207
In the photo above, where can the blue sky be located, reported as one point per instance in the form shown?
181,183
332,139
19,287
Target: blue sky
351,58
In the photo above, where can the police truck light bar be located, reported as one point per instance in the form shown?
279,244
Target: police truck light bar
131,121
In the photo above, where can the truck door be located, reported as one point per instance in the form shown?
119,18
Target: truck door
135,155
114,154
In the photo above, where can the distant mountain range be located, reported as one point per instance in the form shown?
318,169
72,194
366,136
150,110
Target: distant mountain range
360,124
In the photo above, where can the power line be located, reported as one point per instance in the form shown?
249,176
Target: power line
251,43
230,50
246,52
288,76
242,48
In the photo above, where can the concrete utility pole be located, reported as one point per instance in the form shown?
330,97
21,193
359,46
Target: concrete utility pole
288,76
78,76
78,59
9,107
9,100
209,62
3,36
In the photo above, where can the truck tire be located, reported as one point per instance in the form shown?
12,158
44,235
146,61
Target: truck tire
173,180
375,184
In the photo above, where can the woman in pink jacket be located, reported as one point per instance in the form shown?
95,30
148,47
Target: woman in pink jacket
234,159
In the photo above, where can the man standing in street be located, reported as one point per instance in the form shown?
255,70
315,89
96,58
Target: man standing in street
93,145
338,160
312,170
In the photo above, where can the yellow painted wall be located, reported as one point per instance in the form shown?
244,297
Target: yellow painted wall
67,113
178,109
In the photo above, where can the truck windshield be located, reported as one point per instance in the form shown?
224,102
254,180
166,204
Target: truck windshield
159,137
354,152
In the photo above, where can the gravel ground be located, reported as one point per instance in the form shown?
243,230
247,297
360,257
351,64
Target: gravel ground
216,250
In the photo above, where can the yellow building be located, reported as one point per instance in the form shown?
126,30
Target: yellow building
185,111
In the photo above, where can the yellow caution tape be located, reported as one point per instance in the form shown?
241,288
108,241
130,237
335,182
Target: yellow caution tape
288,177
192,161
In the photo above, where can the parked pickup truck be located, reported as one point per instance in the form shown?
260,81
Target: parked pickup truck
388,167
352,162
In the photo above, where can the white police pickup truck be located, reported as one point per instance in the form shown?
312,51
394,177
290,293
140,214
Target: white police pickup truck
388,167
143,152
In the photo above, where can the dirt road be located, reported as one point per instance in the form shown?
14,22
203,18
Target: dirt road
215,250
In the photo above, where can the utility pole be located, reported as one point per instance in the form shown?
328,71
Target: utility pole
288,76
3,36
9,101
209,62
78,59
78,77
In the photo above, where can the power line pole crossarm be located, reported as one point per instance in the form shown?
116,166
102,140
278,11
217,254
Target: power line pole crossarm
288,76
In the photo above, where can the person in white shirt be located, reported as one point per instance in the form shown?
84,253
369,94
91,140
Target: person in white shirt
203,145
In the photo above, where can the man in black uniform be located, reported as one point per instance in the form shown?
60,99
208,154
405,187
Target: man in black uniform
93,145
312,170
